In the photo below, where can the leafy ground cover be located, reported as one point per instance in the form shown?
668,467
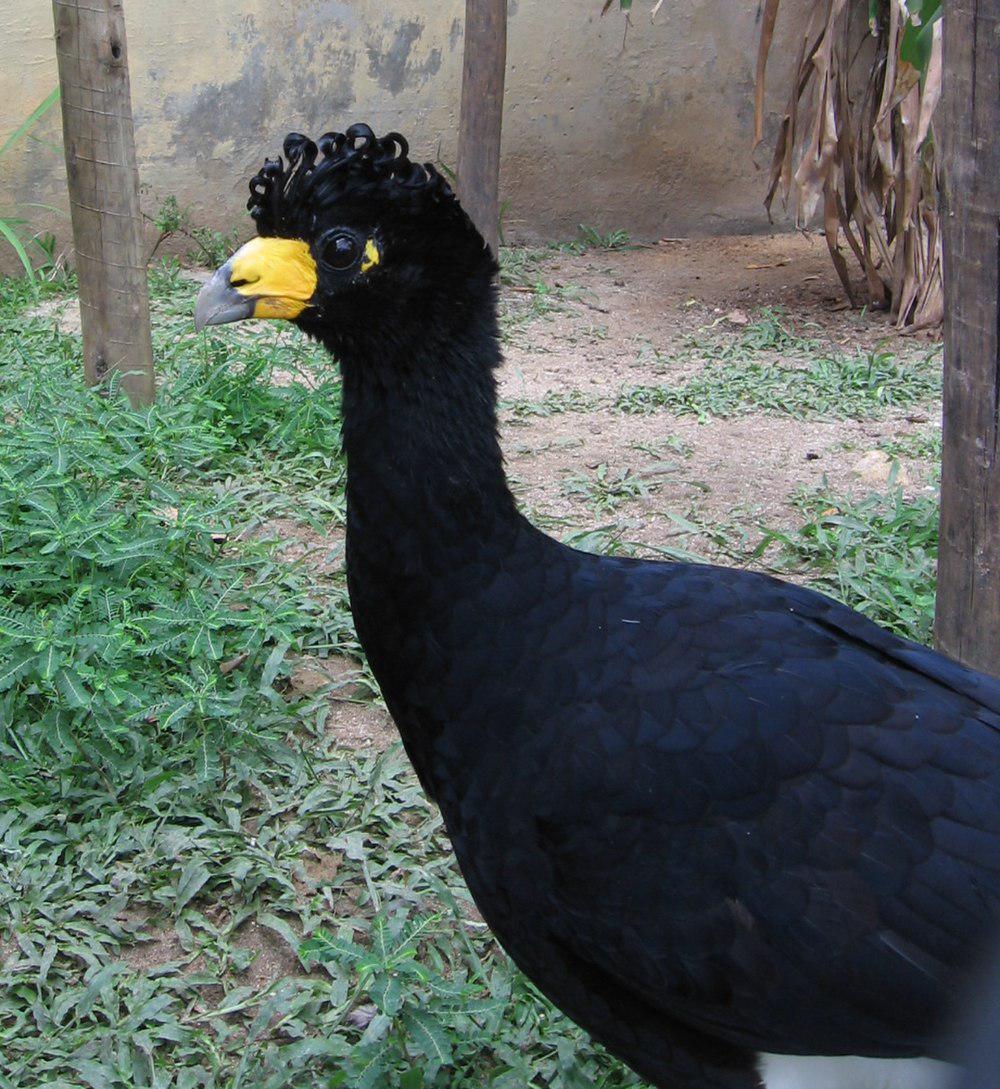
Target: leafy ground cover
200,885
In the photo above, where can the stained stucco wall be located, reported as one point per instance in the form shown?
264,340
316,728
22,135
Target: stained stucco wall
653,136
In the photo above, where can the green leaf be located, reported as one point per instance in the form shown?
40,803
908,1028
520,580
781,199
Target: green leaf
323,946
387,993
31,120
382,942
213,644
176,712
281,927
22,254
483,1007
193,876
412,1079
99,983
73,690
917,40
428,1034
273,665
16,666
207,760
96,1075
372,1068
49,661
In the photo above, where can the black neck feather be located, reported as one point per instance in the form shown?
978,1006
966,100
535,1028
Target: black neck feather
433,534
420,425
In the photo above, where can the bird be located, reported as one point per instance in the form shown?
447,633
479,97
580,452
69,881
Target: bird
736,831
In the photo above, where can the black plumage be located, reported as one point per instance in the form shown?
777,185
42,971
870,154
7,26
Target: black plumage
710,814
980,1036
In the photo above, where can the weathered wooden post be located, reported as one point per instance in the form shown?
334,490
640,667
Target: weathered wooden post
482,114
104,193
967,622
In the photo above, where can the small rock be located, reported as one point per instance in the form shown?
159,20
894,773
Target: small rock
306,679
875,467
737,317
309,675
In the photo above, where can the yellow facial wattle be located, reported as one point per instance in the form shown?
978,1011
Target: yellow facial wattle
371,257
279,274
267,278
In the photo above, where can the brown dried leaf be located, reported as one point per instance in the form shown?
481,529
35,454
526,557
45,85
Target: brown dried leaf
931,94
818,158
831,223
232,663
867,158
907,77
763,49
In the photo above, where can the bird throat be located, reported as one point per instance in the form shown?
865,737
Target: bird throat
430,524
424,466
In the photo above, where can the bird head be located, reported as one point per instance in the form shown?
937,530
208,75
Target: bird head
354,241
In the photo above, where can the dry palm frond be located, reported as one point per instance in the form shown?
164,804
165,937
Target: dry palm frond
859,145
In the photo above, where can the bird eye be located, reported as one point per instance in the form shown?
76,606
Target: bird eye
340,250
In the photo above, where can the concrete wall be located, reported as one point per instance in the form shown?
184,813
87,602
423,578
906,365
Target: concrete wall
654,137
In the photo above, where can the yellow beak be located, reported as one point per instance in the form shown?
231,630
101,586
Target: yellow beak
266,278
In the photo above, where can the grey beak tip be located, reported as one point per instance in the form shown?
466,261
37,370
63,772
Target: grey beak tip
219,302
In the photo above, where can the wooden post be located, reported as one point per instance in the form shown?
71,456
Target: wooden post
482,114
104,193
967,622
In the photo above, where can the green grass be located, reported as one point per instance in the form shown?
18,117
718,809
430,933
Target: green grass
665,449
210,248
878,553
605,489
770,331
12,226
527,303
550,404
768,369
921,445
198,886
592,238
858,386
521,266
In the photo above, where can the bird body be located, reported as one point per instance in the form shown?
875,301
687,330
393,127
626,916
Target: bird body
691,802
723,822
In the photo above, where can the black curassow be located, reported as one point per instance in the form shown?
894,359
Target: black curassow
728,825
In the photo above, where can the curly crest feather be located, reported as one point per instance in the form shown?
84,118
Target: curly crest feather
355,162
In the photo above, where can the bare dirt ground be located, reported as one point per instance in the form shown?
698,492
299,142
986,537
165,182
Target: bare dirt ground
651,303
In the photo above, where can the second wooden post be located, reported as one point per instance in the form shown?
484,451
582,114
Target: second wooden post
482,114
